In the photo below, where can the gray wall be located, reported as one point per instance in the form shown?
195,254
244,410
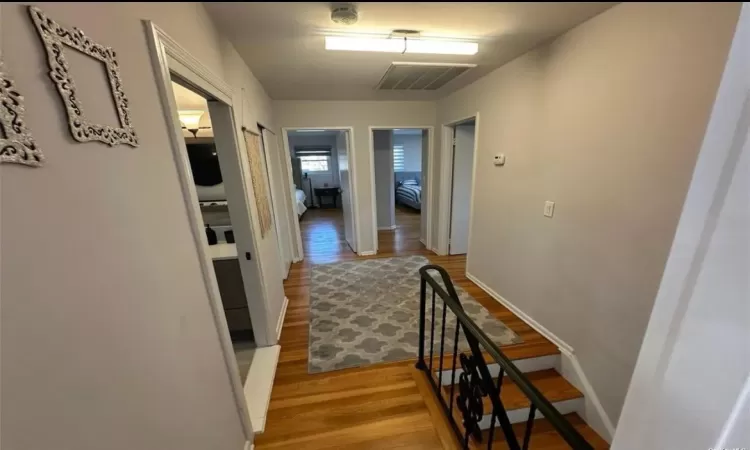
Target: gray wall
412,150
606,121
108,340
384,186
701,316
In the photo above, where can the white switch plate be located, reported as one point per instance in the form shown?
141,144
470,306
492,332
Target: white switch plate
549,209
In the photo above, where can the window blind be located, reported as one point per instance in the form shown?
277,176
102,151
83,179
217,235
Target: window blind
312,151
398,158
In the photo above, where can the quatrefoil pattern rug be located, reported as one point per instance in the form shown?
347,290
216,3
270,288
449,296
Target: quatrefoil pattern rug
366,312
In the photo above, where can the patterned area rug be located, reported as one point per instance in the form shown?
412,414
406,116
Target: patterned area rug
366,312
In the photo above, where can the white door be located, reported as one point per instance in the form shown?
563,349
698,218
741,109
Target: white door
234,166
463,161
342,147
279,199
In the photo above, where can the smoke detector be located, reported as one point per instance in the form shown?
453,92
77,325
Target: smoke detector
344,14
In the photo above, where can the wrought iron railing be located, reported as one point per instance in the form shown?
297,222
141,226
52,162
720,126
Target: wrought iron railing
474,380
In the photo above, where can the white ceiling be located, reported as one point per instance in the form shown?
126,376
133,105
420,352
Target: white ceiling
282,42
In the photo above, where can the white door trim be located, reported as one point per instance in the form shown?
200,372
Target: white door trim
352,177
168,56
298,253
427,196
446,182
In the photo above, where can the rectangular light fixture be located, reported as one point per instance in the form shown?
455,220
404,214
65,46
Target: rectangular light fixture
401,45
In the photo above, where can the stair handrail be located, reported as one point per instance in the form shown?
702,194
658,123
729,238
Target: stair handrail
475,336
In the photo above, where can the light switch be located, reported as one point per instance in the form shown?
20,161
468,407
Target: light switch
549,209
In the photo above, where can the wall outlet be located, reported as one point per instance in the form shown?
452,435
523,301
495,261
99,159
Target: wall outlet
549,209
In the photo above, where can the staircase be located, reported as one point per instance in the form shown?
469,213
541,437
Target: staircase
484,411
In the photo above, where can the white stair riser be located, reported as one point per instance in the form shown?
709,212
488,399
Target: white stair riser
521,415
524,365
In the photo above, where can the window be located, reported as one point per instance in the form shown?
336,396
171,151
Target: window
398,158
314,163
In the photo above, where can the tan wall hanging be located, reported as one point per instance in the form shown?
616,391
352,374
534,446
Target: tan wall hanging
260,185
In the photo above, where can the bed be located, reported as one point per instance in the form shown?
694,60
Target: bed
301,197
409,193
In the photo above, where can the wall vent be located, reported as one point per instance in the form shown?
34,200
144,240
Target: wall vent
412,76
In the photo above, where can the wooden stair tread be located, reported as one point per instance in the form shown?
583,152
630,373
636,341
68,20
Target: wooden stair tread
543,436
513,352
550,383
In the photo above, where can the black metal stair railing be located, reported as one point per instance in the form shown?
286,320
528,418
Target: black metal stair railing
475,381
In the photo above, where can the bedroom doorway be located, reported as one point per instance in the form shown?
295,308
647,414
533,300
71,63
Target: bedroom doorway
220,205
457,181
323,182
401,163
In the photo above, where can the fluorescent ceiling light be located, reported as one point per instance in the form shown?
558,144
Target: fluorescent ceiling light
401,45
309,131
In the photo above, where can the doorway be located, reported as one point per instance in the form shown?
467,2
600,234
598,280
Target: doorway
217,207
459,150
400,171
323,182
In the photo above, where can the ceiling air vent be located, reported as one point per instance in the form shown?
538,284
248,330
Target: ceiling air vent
412,76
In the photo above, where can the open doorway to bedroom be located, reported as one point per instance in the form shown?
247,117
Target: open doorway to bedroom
208,173
400,167
323,191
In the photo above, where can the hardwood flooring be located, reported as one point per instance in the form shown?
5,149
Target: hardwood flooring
380,406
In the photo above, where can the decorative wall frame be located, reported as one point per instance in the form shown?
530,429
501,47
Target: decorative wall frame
16,144
55,37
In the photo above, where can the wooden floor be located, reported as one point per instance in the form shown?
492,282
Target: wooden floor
376,407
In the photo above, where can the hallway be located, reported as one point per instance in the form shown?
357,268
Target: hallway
379,406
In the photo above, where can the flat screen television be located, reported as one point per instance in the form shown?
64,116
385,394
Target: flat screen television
204,164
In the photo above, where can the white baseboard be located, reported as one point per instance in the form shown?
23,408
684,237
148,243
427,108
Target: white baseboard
390,228
570,369
259,383
423,242
564,347
280,323
593,412
368,253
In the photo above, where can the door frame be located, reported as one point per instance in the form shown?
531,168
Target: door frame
446,182
427,196
168,58
352,179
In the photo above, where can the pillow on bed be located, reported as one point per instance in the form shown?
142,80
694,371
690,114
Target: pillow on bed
410,183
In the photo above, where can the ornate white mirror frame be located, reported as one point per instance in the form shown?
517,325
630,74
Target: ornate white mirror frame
55,37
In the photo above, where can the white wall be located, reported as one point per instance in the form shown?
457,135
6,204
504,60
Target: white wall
107,333
360,115
412,150
687,388
253,106
606,121
382,143
319,180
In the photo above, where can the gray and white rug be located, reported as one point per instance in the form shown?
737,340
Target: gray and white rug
366,312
